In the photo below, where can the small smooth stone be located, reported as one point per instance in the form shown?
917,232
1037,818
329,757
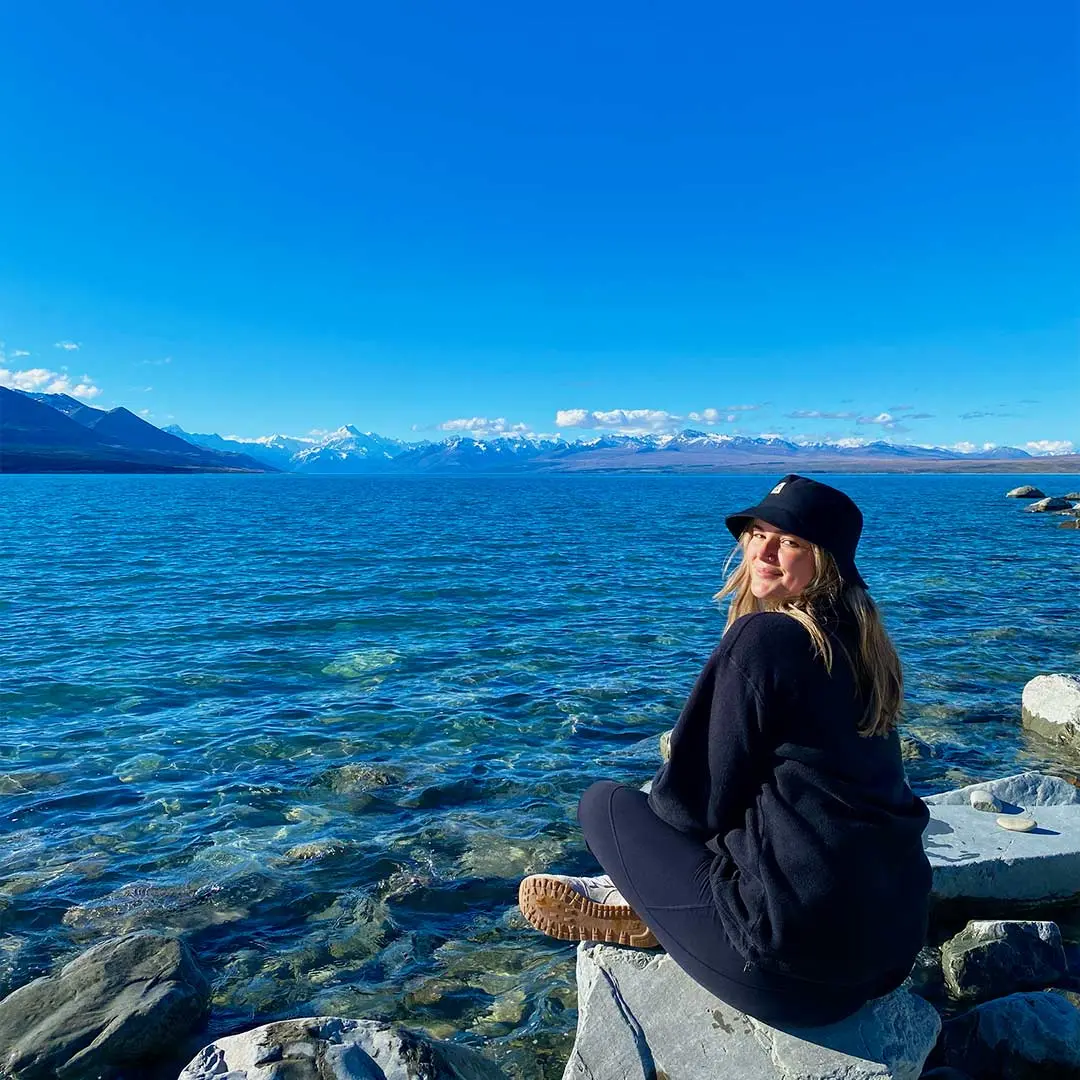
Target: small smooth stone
1017,823
983,800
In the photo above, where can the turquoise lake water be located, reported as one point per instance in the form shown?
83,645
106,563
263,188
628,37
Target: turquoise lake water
322,726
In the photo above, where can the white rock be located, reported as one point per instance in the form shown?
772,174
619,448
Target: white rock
981,799
1016,822
640,1016
1025,491
1051,707
973,859
337,1049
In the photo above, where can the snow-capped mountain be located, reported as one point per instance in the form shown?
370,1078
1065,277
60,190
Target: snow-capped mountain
276,450
348,450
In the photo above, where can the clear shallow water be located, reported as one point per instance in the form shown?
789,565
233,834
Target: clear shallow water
322,725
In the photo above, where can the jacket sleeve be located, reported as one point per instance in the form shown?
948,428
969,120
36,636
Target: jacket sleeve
718,751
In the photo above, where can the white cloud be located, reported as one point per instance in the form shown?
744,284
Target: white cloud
156,363
571,418
625,421
68,346
644,421
144,412
1049,446
817,414
965,446
147,389
44,381
706,416
480,427
884,419
19,352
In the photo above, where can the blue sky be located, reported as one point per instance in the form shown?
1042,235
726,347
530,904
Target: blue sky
266,217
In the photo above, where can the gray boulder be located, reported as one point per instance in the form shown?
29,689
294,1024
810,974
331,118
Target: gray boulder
330,1048
974,859
1050,706
989,958
124,1000
1020,1037
1047,506
1025,491
640,1017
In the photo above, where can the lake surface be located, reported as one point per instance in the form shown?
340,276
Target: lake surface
322,726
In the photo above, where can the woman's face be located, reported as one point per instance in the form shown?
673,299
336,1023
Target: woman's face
781,565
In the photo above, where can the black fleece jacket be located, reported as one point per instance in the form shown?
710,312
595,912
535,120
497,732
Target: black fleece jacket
819,870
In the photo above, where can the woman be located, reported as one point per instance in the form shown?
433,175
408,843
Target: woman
778,857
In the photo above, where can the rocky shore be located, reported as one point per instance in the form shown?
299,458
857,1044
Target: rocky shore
1067,505
994,995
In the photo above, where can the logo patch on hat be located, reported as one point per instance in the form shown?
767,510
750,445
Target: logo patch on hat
779,487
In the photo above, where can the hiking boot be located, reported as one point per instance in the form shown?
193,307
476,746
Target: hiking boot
581,909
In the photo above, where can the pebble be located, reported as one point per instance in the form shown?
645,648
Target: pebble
1017,823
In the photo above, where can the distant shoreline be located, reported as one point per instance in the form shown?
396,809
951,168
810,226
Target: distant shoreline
1049,466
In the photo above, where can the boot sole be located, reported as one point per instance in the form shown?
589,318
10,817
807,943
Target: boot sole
552,907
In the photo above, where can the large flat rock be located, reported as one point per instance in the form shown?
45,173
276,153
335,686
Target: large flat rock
640,1016
1022,791
974,858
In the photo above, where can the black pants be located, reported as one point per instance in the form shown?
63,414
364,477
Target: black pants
664,875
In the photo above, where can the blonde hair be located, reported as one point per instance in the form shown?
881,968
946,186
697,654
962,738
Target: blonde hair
879,677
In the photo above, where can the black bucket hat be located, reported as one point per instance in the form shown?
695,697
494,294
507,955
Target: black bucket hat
814,511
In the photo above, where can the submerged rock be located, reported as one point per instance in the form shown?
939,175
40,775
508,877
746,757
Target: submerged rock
1050,706
974,859
358,777
641,1017
913,748
29,780
1025,491
1020,1037
989,958
330,1048
179,908
123,1001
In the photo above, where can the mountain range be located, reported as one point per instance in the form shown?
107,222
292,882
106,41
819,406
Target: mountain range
349,451
57,433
